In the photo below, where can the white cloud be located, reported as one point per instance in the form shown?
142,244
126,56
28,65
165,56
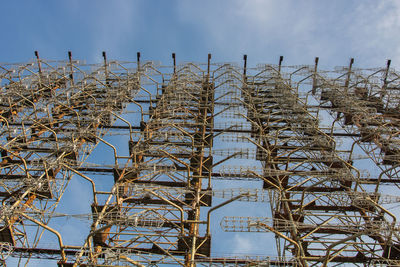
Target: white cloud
376,30
335,31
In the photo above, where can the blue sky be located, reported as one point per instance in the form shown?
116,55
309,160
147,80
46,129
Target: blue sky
335,31
299,30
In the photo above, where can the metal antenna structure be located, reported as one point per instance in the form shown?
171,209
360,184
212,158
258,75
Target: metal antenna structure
176,157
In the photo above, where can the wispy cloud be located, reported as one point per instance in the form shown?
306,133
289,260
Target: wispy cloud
335,31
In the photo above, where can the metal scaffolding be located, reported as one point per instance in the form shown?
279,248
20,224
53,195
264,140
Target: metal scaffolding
318,150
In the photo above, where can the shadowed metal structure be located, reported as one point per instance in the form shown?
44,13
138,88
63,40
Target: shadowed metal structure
318,150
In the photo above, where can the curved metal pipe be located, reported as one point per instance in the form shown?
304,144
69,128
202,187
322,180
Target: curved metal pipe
63,257
84,177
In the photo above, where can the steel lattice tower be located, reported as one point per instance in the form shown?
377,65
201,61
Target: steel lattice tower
319,150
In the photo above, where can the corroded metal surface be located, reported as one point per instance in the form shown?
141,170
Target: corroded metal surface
318,150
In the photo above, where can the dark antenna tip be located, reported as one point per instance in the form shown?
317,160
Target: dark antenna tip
280,63
244,66
37,54
316,60
174,59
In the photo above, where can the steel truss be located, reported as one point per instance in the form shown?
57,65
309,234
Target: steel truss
301,135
